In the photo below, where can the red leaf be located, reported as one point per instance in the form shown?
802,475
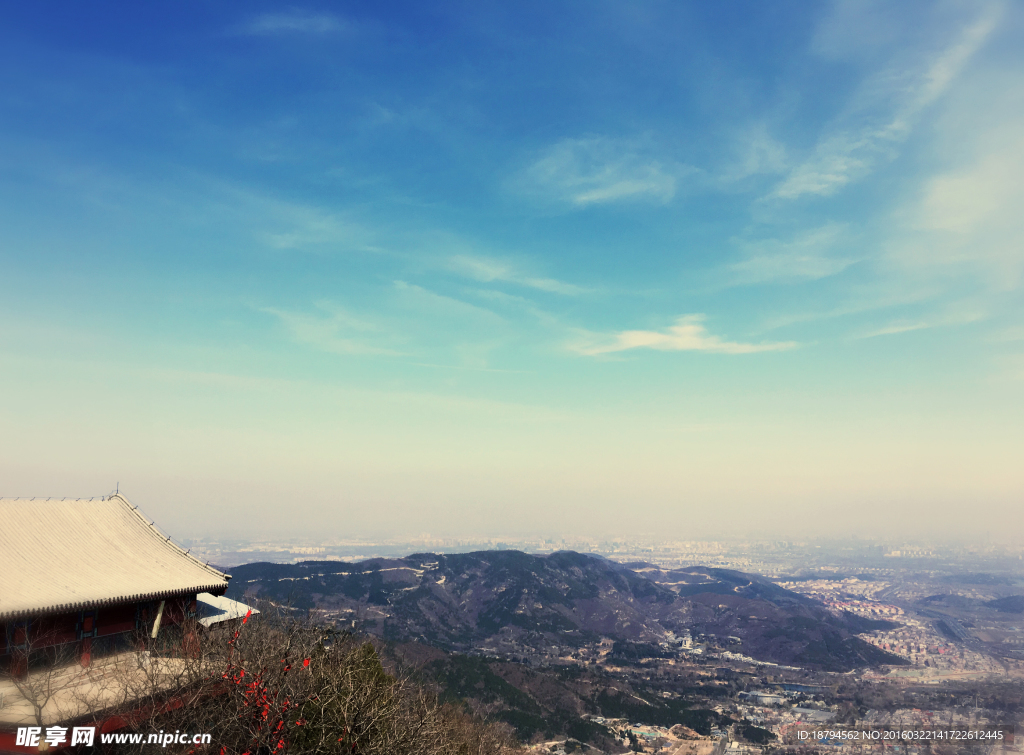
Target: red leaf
305,663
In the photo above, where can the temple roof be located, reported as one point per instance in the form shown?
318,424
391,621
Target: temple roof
216,609
65,555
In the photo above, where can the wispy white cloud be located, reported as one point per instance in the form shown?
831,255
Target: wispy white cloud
971,217
440,307
688,334
895,329
806,257
406,320
311,229
520,305
963,313
597,170
293,22
756,153
1010,368
285,224
334,331
883,114
964,226
859,29
487,270
787,267
860,300
1007,335
962,201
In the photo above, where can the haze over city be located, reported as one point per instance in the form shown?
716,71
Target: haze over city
679,270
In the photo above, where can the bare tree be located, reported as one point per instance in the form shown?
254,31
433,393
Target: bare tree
44,675
280,684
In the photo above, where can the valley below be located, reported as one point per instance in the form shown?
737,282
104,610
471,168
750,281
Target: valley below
579,652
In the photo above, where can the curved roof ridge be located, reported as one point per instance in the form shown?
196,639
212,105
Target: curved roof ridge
152,525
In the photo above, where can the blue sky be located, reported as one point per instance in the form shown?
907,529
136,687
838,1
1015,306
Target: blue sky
685,269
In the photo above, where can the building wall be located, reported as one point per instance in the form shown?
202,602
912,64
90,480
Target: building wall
84,634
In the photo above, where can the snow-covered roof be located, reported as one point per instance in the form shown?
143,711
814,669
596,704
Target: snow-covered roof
66,555
214,609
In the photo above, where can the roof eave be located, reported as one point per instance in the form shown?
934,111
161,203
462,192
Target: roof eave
218,589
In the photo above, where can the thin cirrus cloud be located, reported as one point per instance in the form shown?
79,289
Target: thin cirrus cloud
969,219
688,334
883,115
488,270
757,153
441,312
598,170
335,332
808,256
895,329
963,313
292,22
787,267
317,230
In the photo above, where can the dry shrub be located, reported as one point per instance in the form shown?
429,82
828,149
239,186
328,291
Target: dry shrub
281,685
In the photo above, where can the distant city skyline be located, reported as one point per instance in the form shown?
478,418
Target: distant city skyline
673,269
767,558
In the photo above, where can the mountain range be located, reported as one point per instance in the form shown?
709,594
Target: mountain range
519,605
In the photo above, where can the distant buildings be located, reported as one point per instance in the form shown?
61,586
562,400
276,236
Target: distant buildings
763,698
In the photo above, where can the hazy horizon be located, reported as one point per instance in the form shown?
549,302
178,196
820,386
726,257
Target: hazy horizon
676,269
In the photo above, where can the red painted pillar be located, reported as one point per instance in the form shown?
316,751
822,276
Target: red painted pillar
190,644
85,649
19,666
190,639
19,662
